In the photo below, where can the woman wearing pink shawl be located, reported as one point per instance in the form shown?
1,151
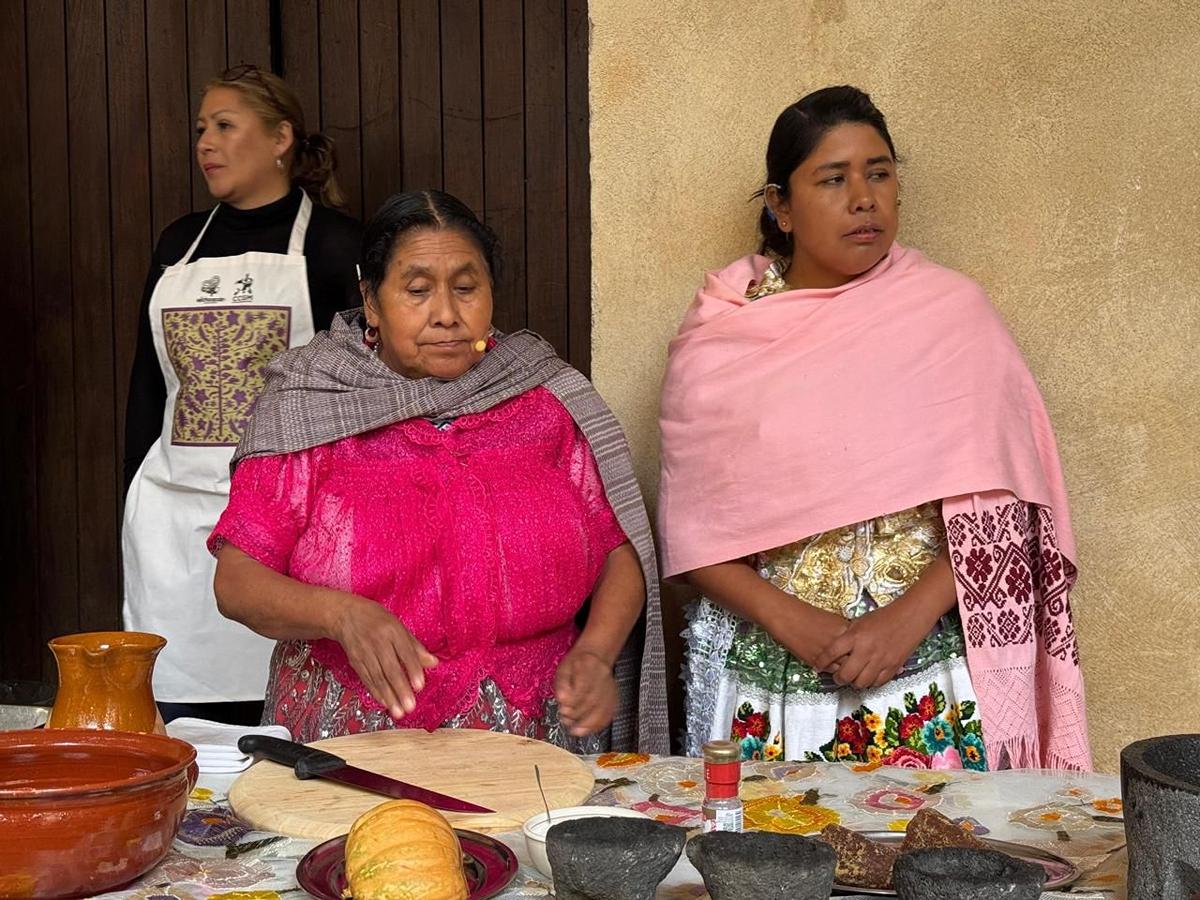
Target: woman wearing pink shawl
439,523
859,475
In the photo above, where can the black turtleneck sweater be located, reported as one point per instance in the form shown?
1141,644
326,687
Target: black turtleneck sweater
331,248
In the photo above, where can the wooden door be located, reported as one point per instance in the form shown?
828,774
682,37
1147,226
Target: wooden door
486,99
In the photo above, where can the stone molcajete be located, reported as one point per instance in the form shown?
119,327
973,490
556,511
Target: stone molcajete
611,858
958,873
760,865
1160,786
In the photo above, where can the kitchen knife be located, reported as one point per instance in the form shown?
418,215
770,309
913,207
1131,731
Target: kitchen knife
309,762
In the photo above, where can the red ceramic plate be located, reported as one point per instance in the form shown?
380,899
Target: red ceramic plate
489,866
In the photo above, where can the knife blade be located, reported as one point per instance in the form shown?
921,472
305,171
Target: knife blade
309,762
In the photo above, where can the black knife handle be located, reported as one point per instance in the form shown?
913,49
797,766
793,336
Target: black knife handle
307,762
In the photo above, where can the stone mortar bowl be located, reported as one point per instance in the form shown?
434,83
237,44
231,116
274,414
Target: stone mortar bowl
82,812
612,858
759,865
958,873
1160,788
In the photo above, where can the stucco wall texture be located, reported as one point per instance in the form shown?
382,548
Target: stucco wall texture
1051,150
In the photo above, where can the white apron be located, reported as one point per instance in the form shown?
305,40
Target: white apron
216,323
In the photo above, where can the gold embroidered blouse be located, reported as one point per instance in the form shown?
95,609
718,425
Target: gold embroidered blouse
883,557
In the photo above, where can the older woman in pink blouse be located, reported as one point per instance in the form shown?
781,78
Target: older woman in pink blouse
418,515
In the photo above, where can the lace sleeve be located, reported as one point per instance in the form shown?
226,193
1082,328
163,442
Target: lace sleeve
604,532
268,510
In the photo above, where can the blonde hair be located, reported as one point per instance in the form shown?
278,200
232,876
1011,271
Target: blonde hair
312,159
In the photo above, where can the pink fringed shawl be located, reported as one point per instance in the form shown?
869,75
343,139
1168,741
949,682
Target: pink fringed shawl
809,410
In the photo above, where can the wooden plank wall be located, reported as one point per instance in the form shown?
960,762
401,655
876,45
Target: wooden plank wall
486,99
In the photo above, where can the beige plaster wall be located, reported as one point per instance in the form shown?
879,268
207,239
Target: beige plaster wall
1052,151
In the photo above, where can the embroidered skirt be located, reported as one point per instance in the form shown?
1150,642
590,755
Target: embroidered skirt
305,696
744,686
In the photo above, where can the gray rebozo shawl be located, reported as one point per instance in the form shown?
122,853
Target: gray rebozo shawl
334,387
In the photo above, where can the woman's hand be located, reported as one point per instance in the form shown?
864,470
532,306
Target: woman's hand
585,690
809,634
388,659
877,645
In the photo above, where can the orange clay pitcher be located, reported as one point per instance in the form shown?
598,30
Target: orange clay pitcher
104,681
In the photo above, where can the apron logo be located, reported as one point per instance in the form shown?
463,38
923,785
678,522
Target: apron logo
245,289
210,286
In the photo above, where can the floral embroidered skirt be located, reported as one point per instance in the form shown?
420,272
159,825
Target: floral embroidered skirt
307,698
744,686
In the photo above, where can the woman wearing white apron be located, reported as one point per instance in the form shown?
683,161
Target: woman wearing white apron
227,290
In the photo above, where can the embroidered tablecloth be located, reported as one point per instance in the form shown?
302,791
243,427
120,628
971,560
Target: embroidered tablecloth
1078,816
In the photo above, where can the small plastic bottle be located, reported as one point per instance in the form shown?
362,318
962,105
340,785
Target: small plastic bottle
722,807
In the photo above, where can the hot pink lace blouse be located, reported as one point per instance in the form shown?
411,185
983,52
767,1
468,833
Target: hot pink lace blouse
484,537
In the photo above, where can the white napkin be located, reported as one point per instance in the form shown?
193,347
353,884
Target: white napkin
216,743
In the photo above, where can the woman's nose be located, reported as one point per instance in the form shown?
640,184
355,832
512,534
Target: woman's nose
445,309
863,198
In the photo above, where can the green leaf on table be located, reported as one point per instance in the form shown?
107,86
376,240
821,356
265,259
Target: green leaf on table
811,796
235,850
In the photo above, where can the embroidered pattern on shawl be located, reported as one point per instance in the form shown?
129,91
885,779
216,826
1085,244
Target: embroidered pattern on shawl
1014,587
334,387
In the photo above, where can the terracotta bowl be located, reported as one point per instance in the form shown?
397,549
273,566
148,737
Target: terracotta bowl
83,812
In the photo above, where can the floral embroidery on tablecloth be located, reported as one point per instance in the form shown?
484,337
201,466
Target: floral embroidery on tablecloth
677,779
1110,806
165,892
788,772
670,813
622,760
211,828
1052,817
217,873
972,825
1075,792
787,814
894,800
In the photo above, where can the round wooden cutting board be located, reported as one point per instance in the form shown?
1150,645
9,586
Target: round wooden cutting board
492,769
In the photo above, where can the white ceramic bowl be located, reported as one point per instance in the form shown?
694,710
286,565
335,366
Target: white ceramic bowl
535,828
